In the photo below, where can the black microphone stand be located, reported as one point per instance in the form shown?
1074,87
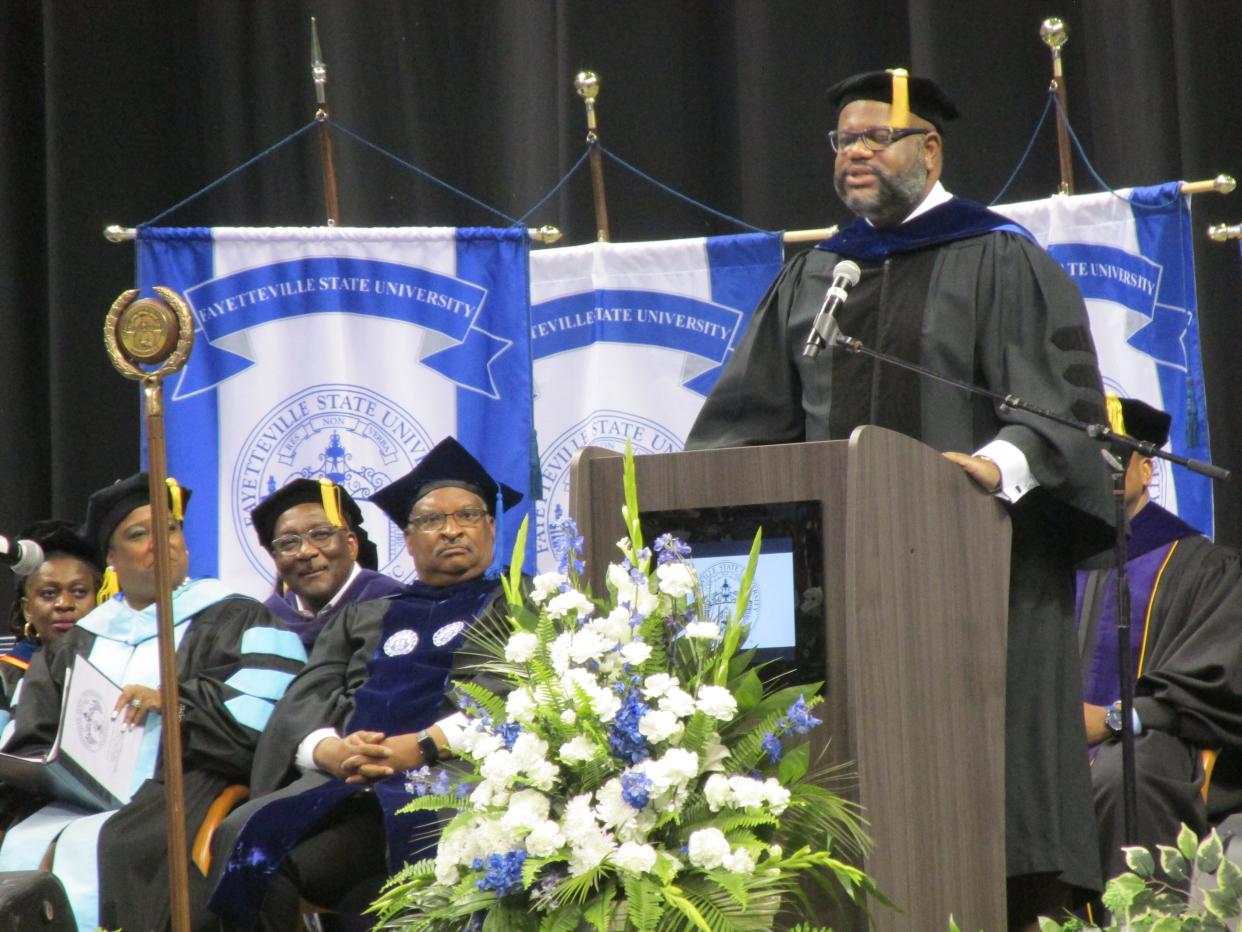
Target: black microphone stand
1107,438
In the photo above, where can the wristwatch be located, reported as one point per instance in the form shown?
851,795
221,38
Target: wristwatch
1112,718
427,744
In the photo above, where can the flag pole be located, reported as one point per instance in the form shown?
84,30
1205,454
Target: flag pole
586,83
319,73
149,332
1055,34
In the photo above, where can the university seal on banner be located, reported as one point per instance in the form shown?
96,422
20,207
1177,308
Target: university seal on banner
91,719
608,429
352,435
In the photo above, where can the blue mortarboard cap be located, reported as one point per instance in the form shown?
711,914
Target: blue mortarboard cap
112,504
926,97
310,492
448,464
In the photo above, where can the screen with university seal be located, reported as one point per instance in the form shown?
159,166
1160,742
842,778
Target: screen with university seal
785,613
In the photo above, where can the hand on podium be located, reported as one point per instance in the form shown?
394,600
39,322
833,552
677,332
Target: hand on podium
983,470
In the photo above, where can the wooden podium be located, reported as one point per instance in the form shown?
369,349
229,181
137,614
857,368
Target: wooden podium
916,575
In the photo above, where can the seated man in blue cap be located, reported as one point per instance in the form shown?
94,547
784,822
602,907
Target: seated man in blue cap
1185,627
233,663
372,703
324,559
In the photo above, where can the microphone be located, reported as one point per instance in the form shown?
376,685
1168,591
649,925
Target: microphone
824,330
23,557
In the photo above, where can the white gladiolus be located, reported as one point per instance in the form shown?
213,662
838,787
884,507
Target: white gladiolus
587,645
521,646
717,702
637,859
708,848
619,577
676,579
546,585
703,629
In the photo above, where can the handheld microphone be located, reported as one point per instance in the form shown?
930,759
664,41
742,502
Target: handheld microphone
824,330
23,557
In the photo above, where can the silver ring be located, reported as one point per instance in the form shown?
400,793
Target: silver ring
135,703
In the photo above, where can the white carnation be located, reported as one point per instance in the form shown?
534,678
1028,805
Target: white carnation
610,807
580,749
739,861
543,775
659,725
589,850
520,706
679,768
636,652
676,579
558,651
546,585
572,601
708,848
717,702
544,840
777,795
529,749
747,793
677,701
480,742
527,808
637,859
587,645
703,629
657,684
521,646
578,818
619,577
717,792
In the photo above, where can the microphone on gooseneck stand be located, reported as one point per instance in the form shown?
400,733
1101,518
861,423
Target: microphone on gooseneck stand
23,557
824,330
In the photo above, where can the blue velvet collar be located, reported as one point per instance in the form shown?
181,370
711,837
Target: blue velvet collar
953,220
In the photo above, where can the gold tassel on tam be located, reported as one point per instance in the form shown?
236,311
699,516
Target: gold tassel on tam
330,492
899,113
1116,418
111,586
176,500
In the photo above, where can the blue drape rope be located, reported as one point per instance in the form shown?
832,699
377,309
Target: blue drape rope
225,177
1027,152
677,194
560,184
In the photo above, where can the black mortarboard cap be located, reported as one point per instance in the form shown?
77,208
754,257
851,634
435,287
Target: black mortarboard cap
112,504
450,464
1143,422
927,99
310,492
56,536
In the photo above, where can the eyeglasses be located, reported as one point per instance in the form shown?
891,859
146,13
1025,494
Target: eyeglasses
875,138
319,536
436,521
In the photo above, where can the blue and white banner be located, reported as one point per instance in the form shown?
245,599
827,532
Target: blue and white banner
1130,253
338,352
628,339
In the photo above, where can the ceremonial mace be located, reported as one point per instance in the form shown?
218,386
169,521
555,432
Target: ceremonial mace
1055,34
150,332
586,83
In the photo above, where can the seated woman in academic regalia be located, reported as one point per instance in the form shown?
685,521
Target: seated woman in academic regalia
233,662
50,599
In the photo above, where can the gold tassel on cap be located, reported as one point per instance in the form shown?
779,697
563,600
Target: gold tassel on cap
899,113
111,586
330,492
176,501
1116,417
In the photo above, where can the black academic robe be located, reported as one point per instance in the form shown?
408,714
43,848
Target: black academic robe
217,749
383,665
1186,624
994,309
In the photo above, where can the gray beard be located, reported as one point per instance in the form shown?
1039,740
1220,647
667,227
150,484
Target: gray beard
895,197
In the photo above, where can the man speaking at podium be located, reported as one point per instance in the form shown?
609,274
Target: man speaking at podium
949,285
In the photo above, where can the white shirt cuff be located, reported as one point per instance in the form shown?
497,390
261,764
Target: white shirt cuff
1016,478
305,756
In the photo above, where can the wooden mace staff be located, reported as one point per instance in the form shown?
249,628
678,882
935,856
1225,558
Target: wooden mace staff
138,333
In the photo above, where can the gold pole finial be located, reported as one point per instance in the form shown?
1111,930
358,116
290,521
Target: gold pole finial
1055,34
586,83
319,70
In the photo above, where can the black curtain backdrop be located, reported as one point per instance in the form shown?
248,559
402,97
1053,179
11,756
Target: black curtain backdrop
114,112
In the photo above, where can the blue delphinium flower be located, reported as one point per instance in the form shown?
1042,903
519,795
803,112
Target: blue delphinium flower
568,545
636,789
799,718
508,733
670,549
771,746
624,739
504,872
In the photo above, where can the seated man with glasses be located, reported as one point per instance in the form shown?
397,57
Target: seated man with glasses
324,559
964,292
371,705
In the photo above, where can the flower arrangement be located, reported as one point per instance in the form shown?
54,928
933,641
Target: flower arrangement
636,774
